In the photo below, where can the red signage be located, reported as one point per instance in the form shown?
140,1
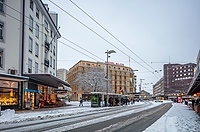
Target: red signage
112,63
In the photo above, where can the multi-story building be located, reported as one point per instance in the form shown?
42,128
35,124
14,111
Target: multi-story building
195,83
122,79
177,78
28,49
62,74
194,88
158,89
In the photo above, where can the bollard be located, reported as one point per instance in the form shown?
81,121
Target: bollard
0,109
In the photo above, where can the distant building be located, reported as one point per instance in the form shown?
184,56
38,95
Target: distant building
158,89
144,95
122,77
62,74
177,78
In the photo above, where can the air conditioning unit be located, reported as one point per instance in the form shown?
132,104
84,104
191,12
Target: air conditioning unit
12,71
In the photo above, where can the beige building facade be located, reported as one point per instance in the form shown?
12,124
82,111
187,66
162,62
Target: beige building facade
121,78
158,89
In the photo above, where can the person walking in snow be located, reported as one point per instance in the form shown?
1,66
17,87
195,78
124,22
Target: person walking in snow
81,102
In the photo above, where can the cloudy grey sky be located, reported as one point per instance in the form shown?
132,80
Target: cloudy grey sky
152,30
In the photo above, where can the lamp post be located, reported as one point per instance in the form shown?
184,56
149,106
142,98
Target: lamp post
107,56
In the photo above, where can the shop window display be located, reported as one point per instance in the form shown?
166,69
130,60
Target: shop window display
8,93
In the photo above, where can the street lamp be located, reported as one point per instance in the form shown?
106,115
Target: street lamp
107,55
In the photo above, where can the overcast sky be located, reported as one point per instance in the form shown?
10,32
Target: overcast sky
155,31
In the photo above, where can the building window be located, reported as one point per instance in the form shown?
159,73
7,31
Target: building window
36,67
46,25
51,47
37,13
37,31
51,34
1,31
31,23
54,63
9,92
29,65
1,5
30,47
54,50
1,58
31,4
50,61
36,49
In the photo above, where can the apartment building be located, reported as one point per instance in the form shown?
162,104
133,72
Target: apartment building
62,74
177,78
158,89
121,78
28,53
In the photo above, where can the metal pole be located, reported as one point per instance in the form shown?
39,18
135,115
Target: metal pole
107,79
0,109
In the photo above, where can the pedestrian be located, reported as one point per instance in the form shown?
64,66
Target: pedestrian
193,101
81,102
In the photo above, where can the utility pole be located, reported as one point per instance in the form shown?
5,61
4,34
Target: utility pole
107,55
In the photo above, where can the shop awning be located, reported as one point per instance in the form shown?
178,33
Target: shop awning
48,80
30,90
67,88
11,77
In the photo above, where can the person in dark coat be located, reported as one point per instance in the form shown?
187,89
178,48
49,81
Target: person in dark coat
81,102
193,101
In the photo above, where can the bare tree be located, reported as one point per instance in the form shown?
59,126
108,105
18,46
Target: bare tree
92,80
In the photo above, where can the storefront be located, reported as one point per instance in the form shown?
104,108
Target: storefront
42,90
11,87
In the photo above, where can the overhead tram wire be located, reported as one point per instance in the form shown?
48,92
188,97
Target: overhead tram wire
97,34
83,48
64,37
49,36
110,33
77,50
58,40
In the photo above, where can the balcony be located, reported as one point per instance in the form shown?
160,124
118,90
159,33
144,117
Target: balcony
46,62
47,45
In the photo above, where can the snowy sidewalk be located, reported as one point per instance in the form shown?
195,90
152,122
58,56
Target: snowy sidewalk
180,118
